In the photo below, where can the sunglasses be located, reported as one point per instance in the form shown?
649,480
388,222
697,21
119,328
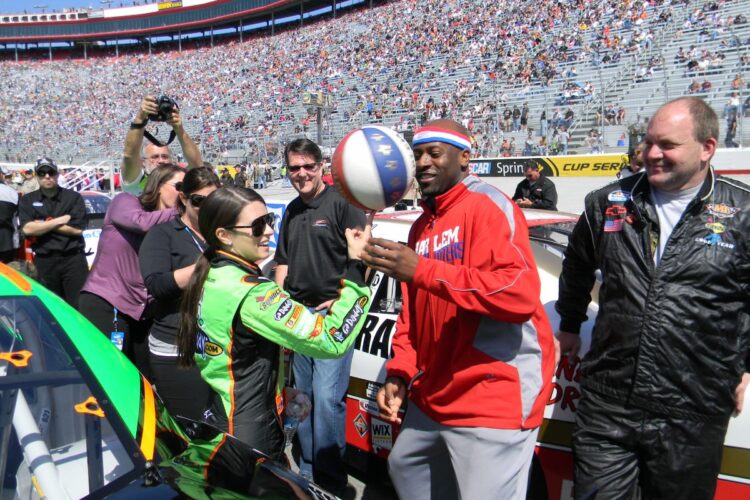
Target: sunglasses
45,172
310,167
259,225
196,199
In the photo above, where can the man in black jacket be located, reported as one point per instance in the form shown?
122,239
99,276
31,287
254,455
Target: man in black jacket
535,191
670,356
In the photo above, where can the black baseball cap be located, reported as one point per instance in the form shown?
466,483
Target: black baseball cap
45,162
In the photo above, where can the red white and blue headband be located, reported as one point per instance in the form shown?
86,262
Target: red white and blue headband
438,134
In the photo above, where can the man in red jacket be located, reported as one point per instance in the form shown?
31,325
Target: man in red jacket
473,346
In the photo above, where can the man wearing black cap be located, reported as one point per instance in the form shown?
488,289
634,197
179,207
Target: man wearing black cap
54,218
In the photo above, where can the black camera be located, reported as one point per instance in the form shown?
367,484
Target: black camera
166,107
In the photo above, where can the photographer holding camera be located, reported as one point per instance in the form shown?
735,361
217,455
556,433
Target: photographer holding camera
135,168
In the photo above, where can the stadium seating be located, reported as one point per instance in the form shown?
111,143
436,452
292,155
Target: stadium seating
396,64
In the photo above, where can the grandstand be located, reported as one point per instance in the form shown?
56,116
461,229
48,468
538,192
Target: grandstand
241,75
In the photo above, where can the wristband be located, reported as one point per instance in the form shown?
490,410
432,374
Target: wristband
134,125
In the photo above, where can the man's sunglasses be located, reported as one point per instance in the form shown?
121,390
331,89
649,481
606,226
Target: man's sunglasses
259,225
196,199
45,172
310,167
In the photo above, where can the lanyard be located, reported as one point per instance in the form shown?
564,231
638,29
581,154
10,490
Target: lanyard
195,240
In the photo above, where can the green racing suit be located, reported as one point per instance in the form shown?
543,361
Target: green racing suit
244,320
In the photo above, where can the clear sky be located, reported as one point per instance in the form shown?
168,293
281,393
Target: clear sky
17,6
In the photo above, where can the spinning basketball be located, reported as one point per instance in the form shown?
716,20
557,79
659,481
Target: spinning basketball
373,167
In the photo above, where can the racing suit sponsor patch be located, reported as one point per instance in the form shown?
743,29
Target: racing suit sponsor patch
271,298
722,210
283,310
200,342
350,320
212,348
295,317
619,196
714,238
614,218
318,327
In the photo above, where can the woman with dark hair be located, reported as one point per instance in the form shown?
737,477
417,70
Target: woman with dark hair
167,258
234,321
114,298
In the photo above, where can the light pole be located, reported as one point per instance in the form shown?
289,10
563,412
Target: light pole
601,120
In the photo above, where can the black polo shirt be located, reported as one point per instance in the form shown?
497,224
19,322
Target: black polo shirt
313,245
34,206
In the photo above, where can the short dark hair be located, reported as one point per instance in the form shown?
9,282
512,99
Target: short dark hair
305,147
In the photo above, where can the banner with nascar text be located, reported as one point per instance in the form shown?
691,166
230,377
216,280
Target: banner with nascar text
551,166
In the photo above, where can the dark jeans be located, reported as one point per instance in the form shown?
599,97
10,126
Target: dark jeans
182,390
63,274
322,436
619,449
102,314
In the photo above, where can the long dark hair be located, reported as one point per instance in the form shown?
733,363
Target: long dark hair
220,209
195,179
159,176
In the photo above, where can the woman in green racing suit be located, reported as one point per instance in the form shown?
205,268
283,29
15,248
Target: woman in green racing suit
234,321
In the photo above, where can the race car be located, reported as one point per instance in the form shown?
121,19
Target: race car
77,418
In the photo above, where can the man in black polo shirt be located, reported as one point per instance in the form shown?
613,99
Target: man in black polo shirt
312,257
54,218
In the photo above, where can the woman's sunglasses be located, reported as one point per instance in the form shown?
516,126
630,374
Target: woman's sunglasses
259,225
196,199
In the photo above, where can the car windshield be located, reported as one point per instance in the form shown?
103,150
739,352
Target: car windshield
56,440
96,203
554,237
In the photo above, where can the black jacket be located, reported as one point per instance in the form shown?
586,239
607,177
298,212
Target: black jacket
543,194
673,339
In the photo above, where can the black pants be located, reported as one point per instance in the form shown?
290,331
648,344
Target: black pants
618,450
7,256
182,390
101,313
63,274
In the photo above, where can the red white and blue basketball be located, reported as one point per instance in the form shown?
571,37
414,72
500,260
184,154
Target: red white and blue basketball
373,167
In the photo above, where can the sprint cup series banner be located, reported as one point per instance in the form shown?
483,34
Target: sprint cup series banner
169,5
551,166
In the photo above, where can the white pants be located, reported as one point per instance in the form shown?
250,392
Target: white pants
434,461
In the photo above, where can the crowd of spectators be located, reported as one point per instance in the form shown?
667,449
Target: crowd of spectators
378,65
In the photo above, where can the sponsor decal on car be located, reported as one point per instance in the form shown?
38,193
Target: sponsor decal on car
382,434
360,424
369,407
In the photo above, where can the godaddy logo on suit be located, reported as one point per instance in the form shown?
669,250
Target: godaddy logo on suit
350,320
